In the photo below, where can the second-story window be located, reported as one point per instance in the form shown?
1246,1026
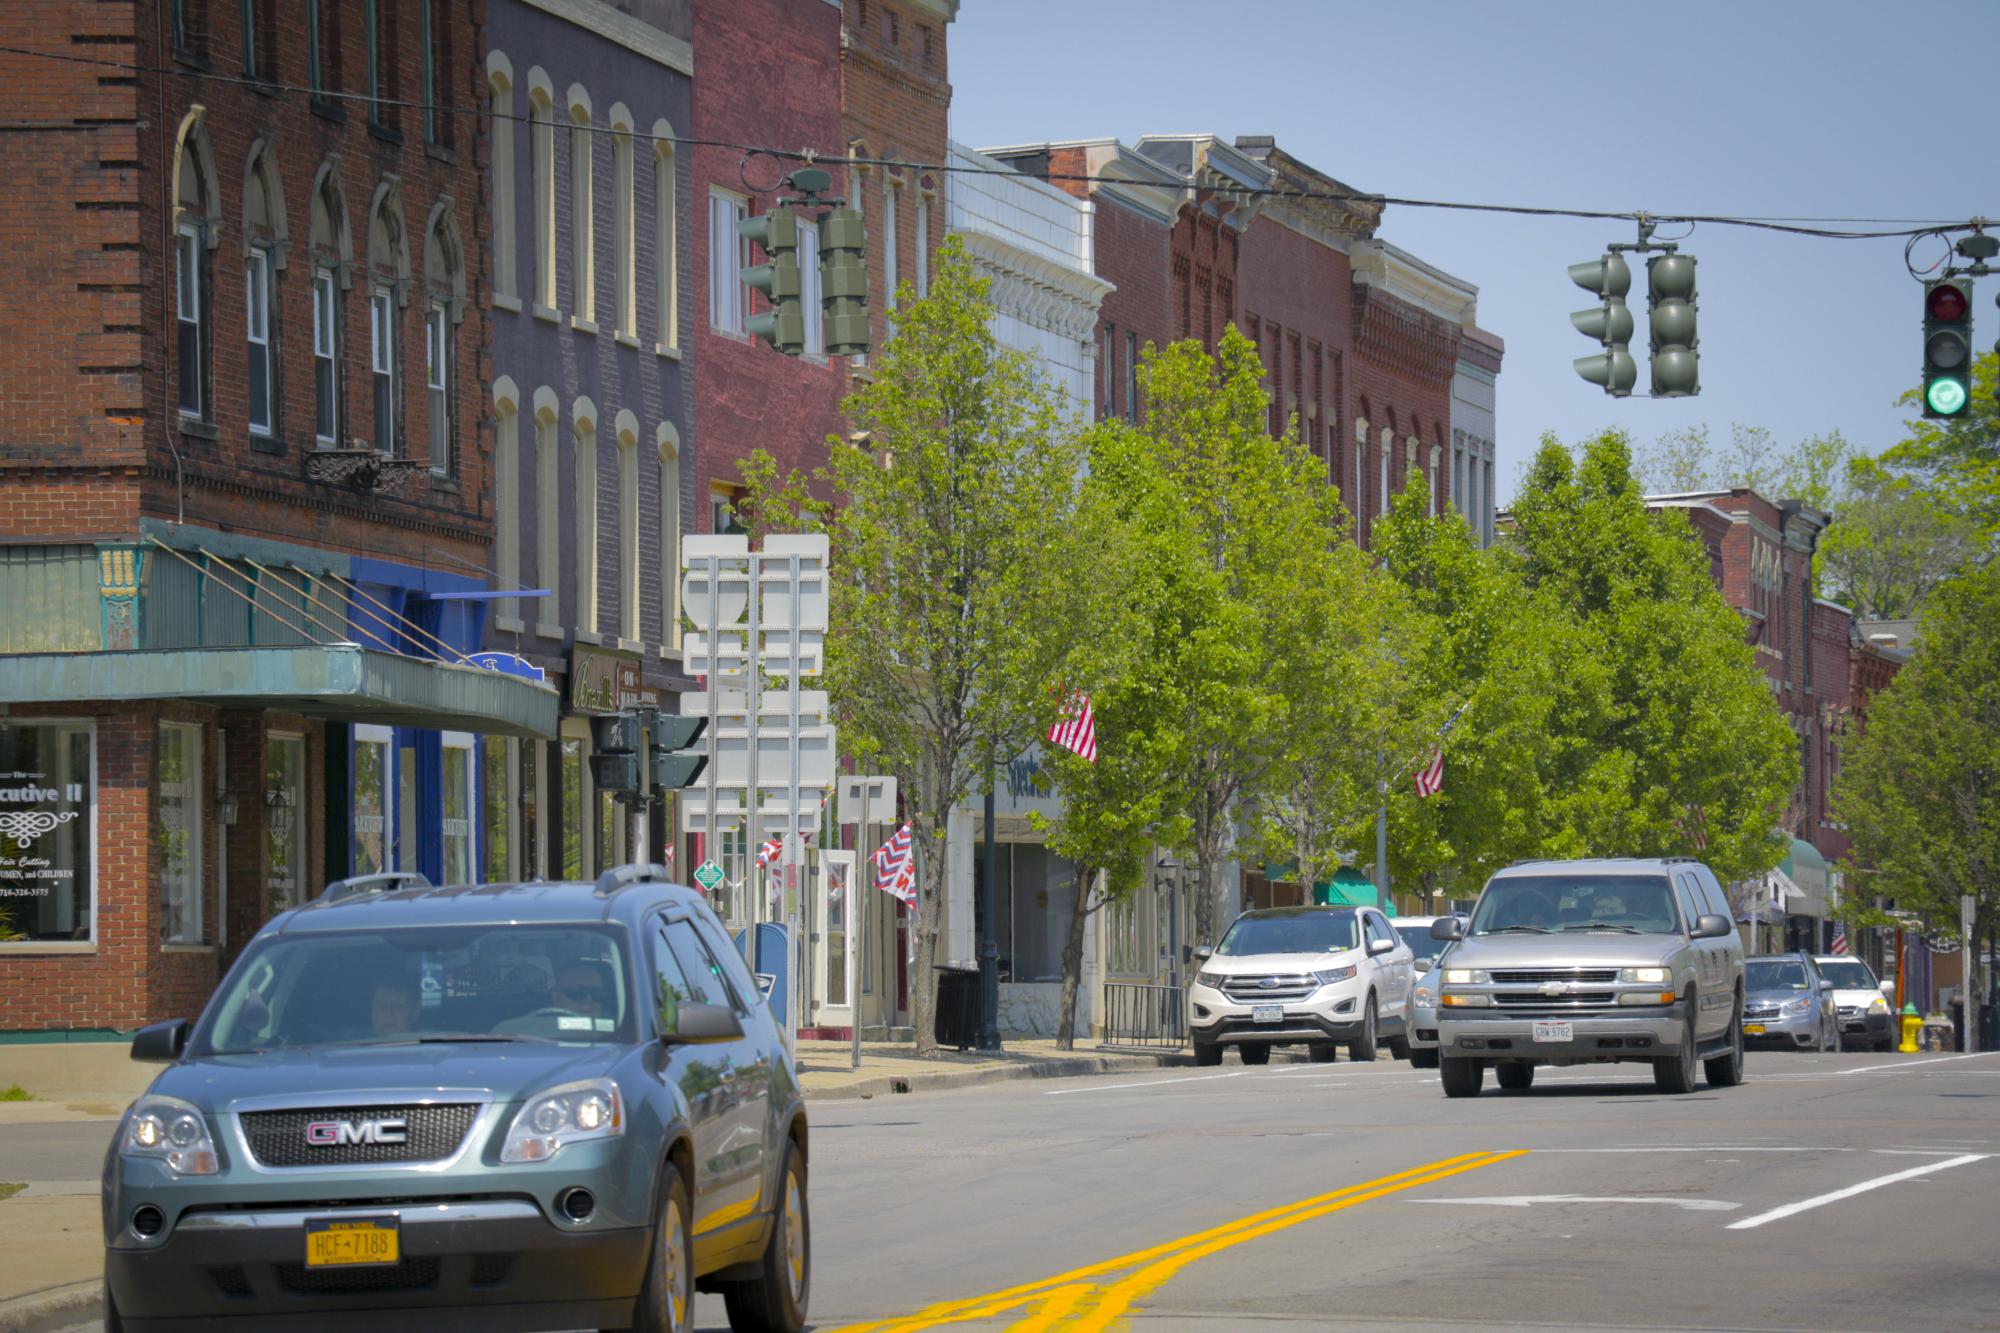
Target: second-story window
190,320
257,311
728,256
382,365
326,358
583,214
437,383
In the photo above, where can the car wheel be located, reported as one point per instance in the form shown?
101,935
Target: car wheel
1257,1054
1884,1047
1726,1071
775,1300
666,1302
1461,1078
1207,1053
1424,1057
1362,1048
1675,1073
1399,1047
1322,1052
1515,1078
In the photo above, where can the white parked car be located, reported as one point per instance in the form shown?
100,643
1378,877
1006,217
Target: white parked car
1416,932
1318,977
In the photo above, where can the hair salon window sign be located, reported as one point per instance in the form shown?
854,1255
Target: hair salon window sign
46,789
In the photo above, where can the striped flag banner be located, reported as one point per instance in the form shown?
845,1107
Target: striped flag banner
1430,778
770,852
1839,944
1077,730
891,857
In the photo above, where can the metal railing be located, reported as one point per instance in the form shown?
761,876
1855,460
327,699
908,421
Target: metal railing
1137,1014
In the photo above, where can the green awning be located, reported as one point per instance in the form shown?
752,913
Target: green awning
342,682
1349,888
1808,869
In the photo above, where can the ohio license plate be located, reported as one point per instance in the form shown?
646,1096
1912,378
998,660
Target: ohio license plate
1267,1013
1554,1031
349,1242
1753,1029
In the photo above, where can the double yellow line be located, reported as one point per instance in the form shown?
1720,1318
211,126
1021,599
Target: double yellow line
1077,1301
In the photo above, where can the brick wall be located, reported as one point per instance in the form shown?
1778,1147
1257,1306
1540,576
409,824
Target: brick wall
1135,253
1295,296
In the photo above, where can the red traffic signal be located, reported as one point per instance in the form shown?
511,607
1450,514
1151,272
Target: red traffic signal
1947,303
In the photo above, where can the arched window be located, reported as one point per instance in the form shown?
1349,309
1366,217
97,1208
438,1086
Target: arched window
1435,479
1388,452
548,533
500,87
542,164
667,441
444,307
264,245
583,414
666,237
332,253
507,497
388,273
628,527
624,228
197,229
582,207
1361,524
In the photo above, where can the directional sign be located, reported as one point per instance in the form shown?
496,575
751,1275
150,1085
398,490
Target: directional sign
708,874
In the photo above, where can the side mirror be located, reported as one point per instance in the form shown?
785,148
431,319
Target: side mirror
700,1025
1825,985
1423,965
1380,947
1712,927
1448,928
161,1043
1202,953
1889,989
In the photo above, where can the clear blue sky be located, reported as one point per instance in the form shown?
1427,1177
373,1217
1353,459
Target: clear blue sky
1824,109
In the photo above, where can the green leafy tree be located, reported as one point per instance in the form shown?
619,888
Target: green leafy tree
1919,788
1891,544
1958,461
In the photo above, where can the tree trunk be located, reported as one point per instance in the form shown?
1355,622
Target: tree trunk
930,908
1072,960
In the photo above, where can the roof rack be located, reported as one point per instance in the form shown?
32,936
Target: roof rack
618,877
388,881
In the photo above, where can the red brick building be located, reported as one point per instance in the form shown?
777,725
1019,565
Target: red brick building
241,454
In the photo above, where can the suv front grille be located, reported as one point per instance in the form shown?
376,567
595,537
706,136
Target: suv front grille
1536,1000
432,1133
1593,976
1252,990
409,1275
1760,1011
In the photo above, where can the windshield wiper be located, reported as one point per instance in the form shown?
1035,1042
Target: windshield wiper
1602,925
1502,930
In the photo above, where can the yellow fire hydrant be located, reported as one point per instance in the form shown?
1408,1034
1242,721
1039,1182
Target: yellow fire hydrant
1913,1023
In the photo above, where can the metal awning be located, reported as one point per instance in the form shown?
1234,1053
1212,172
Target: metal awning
341,681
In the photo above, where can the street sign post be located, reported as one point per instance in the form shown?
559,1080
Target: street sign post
708,874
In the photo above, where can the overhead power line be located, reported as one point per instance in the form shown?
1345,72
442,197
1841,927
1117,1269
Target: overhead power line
1830,228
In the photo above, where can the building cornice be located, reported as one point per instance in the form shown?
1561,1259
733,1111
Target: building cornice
1222,175
615,25
1036,290
1399,273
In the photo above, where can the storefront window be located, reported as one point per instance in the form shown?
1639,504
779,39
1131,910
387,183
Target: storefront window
284,821
530,788
371,800
458,809
47,795
498,794
179,821
1043,895
572,810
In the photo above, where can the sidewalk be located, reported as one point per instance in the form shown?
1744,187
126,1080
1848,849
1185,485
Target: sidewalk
826,1072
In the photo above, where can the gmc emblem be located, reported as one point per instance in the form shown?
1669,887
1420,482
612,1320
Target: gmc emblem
343,1133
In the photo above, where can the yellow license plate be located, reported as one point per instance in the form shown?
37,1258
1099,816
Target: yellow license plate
1753,1029
352,1241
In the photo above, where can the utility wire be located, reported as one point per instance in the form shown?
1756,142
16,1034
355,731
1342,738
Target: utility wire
1909,229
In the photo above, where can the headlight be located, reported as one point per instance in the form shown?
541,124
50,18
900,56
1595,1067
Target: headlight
1878,1005
1212,980
1647,997
1327,976
172,1131
1800,1005
1421,996
572,1113
1643,976
1450,1001
1465,976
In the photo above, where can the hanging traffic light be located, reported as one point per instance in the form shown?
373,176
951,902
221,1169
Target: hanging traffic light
1947,347
673,768
777,231
843,281
1609,279
1676,362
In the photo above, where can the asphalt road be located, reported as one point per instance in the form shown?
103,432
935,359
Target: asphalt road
1839,1192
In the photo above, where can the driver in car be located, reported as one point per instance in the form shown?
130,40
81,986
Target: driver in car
581,989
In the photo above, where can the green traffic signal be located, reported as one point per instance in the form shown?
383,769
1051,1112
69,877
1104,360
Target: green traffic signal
1947,347
1609,278
1944,397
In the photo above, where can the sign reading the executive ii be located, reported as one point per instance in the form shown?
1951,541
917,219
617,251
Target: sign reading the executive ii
45,795
602,682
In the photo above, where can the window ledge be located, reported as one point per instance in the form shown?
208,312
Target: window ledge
671,653
734,335
509,624
666,352
266,444
541,311
631,645
628,340
548,631
47,948
502,301
590,636
439,152
441,481
170,946
386,133
582,325
332,111
200,430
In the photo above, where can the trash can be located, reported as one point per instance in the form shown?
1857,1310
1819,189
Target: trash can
957,1022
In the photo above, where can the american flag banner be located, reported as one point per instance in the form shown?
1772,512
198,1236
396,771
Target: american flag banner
1430,778
770,852
1077,731
904,886
1839,944
892,858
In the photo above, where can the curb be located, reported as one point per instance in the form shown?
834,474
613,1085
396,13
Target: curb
51,1308
944,1079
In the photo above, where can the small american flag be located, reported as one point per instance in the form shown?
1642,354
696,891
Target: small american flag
770,851
1430,778
1077,731
896,868
1839,944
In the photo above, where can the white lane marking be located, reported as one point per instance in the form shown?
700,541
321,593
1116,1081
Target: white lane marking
1712,1147
1820,1201
1151,1083
1913,1064
1527,1200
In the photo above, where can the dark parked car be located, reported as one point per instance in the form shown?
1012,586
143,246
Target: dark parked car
510,1106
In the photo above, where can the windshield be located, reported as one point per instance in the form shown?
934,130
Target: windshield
1316,932
1420,941
1552,904
1777,975
498,983
1851,975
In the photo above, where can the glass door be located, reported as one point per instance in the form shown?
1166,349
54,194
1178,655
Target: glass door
374,811
284,822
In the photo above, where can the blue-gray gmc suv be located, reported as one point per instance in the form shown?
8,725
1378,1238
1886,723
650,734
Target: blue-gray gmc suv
511,1106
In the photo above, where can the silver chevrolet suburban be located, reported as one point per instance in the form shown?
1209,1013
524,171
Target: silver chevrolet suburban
1585,962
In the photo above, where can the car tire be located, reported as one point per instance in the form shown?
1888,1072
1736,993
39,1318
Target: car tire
1675,1073
775,1300
1256,1053
1424,1057
1362,1048
1884,1047
1207,1053
1515,1078
1322,1052
1399,1047
666,1302
1461,1078
1726,1071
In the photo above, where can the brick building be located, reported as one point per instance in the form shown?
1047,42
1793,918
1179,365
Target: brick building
243,469
592,391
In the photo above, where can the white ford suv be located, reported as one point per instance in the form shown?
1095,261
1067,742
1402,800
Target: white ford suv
1316,977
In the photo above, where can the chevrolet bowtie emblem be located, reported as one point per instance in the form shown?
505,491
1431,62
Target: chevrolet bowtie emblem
1553,988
